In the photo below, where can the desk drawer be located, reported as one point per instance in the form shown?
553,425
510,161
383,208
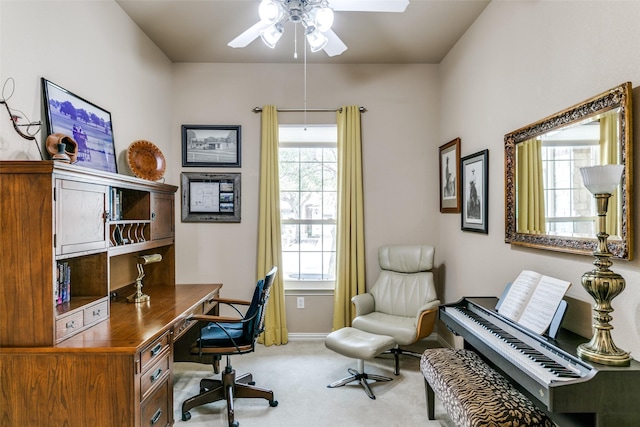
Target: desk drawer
154,375
69,325
155,409
209,304
96,312
152,352
181,326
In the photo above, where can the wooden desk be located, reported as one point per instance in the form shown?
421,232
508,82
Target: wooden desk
116,373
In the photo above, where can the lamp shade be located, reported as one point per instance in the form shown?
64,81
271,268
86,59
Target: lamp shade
272,34
269,11
316,39
322,18
601,179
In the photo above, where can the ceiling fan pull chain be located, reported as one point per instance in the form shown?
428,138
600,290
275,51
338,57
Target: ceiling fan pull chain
295,41
305,84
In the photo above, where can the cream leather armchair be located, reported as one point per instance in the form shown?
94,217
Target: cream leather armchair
402,303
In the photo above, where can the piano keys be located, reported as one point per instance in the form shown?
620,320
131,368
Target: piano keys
571,391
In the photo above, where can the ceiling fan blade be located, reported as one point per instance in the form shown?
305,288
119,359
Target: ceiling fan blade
249,35
334,46
369,5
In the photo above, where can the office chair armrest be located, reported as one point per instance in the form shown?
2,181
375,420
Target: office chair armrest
212,318
364,304
426,319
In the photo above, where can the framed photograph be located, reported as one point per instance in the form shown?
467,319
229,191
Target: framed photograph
475,192
450,177
210,197
212,146
86,123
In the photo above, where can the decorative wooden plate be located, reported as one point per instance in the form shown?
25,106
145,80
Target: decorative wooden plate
146,160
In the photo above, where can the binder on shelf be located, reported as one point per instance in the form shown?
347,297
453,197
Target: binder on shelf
115,204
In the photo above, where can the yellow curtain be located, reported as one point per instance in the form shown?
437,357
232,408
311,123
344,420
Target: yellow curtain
269,243
529,187
350,252
609,156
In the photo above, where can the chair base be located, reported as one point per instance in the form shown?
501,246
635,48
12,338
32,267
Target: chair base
228,388
397,352
360,376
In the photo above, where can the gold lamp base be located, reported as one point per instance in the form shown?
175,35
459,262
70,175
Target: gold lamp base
138,296
603,286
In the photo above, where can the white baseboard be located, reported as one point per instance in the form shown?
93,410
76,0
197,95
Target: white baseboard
307,336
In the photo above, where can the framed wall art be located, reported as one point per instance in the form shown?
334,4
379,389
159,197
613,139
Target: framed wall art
212,146
450,177
89,126
210,197
475,192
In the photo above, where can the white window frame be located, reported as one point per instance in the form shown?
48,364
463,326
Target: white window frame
323,136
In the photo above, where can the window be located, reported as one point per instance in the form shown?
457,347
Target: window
569,207
308,205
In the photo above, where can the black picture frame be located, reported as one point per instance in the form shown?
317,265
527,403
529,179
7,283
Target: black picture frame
87,124
211,146
450,176
210,197
475,192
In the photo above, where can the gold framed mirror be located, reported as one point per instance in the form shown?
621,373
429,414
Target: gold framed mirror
546,203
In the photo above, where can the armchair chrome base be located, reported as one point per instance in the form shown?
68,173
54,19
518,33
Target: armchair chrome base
360,376
397,352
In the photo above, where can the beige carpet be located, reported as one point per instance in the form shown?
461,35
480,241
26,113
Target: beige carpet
298,373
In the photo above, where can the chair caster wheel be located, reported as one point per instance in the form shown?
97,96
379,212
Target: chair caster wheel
273,403
186,416
234,424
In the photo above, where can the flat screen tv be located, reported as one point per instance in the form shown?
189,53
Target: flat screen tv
88,125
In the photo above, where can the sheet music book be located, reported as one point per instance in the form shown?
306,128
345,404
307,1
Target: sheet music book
532,300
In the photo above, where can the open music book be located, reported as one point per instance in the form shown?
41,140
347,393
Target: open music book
532,300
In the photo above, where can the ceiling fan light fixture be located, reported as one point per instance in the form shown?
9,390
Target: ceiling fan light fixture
316,39
270,11
272,34
323,18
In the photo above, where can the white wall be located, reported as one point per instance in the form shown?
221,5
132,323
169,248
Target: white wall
520,62
93,49
399,130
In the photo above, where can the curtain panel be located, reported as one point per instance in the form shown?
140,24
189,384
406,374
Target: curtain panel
350,251
269,236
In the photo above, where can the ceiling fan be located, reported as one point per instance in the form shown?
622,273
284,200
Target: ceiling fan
316,17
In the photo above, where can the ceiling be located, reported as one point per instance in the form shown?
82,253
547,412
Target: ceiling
199,30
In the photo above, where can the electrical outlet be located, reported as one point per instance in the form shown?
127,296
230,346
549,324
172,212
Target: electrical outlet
300,302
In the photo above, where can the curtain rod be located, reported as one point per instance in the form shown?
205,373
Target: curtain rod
310,110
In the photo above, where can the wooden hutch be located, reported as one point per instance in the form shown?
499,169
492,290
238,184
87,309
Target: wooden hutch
76,353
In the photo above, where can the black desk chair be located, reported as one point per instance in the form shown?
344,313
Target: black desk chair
226,336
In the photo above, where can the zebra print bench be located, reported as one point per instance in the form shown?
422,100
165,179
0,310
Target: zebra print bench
473,394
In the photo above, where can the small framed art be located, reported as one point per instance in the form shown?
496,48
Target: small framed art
475,192
450,177
212,146
88,125
210,197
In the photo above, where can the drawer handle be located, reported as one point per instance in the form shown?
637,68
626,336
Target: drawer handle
156,416
155,350
96,313
156,375
70,325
